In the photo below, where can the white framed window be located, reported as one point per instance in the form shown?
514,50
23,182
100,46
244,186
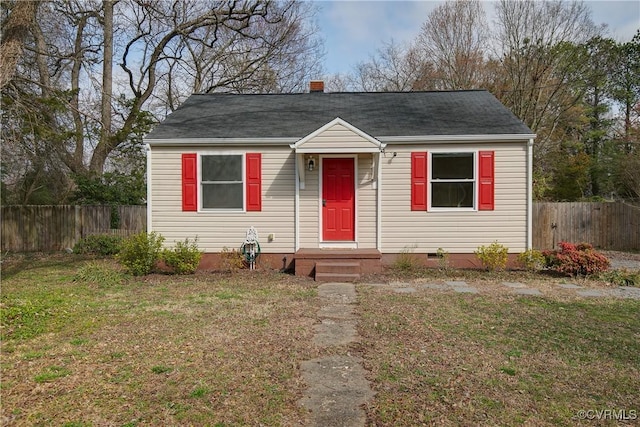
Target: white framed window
222,181
452,180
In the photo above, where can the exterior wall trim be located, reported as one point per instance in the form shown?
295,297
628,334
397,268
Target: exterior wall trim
149,190
379,203
296,204
220,141
456,138
530,194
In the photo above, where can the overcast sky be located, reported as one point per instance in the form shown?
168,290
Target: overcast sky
353,30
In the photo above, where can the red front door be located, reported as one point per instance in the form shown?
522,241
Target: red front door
338,199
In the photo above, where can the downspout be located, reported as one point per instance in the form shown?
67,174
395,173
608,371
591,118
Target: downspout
529,193
149,216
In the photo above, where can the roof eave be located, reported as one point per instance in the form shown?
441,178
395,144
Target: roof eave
456,138
291,141
219,141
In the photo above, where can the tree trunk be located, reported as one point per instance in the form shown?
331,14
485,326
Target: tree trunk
15,31
103,148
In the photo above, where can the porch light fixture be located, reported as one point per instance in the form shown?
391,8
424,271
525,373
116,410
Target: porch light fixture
311,164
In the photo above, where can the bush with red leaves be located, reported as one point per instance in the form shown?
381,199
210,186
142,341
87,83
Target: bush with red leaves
576,259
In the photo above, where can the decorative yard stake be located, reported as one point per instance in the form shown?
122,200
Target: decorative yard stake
251,248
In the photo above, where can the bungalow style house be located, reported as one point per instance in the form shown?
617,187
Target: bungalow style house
341,183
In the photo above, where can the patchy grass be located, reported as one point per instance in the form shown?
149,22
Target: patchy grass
452,359
161,350
224,349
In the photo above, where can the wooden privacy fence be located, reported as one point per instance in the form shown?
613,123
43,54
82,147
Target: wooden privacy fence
54,228
608,225
613,226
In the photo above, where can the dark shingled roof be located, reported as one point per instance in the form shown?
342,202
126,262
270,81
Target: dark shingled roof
379,114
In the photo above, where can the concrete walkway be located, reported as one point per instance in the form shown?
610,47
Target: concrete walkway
515,288
337,386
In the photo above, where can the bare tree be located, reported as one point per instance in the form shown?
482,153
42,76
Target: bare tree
454,40
107,85
278,55
538,57
337,83
66,105
394,68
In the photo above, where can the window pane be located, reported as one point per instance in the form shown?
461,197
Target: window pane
452,165
222,168
222,196
452,194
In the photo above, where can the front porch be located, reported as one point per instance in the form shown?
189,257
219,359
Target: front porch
337,265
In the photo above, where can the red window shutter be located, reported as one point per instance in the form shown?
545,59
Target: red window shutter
419,181
189,182
486,175
254,181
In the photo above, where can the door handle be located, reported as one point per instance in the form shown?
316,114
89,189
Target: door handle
324,202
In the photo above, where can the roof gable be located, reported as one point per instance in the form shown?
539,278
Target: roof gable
338,136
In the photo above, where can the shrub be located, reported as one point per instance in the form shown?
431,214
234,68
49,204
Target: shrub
443,259
493,257
531,260
231,259
406,260
140,252
576,260
622,277
184,258
99,244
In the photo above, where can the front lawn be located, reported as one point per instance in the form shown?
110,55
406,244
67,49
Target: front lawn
160,350
83,345
458,359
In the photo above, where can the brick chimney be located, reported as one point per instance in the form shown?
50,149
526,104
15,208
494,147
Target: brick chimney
316,86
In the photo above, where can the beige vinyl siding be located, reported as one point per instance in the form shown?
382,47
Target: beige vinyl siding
309,209
455,232
215,230
366,207
337,136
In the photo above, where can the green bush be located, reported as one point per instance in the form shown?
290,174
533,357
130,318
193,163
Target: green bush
140,252
99,244
531,260
576,260
621,277
493,257
184,257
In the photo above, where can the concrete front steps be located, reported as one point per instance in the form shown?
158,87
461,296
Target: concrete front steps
337,265
337,271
